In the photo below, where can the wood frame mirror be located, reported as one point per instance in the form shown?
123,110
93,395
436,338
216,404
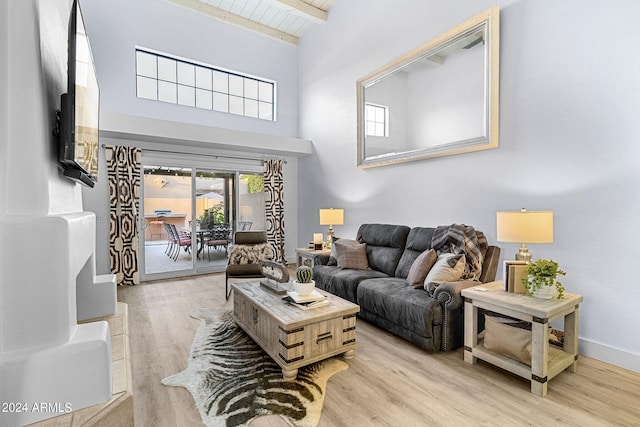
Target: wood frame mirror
440,99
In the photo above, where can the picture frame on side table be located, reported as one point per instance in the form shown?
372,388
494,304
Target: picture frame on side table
514,272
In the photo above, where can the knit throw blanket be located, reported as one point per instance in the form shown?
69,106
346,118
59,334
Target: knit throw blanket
460,238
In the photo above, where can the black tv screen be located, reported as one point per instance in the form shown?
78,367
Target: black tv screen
80,107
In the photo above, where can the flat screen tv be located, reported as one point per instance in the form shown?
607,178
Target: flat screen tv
79,107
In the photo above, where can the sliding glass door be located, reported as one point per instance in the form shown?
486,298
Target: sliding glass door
167,207
192,211
215,217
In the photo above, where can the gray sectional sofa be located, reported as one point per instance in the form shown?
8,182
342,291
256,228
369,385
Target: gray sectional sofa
431,320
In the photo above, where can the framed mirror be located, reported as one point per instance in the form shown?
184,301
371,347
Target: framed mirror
437,100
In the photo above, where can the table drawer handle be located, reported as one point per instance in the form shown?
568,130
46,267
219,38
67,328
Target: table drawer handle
323,337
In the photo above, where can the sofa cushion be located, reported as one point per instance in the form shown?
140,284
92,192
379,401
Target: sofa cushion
418,241
391,299
421,267
448,268
351,254
385,244
342,282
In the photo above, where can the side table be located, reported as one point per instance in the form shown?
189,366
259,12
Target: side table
546,361
305,256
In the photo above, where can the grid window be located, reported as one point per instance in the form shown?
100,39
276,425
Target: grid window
177,81
147,64
204,78
166,69
204,99
376,120
221,102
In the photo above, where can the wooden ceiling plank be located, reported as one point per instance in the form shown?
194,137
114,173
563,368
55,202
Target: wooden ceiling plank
238,20
302,9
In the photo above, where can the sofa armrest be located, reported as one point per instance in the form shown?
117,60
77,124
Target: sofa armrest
449,293
320,259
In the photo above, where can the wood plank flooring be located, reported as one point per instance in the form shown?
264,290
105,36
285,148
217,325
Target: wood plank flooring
390,382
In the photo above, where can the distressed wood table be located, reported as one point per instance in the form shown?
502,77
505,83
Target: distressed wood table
291,336
546,361
305,256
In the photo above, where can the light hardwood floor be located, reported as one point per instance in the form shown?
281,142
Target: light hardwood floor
390,382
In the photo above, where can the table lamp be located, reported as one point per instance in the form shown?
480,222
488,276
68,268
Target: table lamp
525,227
331,217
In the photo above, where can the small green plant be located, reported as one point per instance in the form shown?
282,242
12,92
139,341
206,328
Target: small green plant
213,215
304,274
541,273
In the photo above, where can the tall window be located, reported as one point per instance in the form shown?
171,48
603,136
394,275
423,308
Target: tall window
376,120
178,81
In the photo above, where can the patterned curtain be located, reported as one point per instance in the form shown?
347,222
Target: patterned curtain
274,206
123,169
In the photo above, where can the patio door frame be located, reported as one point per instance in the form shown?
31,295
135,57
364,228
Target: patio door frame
196,162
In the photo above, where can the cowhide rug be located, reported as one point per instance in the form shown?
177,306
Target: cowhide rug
233,381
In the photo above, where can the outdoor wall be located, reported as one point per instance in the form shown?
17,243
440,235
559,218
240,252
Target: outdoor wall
568,142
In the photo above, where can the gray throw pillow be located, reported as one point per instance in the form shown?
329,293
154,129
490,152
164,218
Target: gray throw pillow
420,268
351,254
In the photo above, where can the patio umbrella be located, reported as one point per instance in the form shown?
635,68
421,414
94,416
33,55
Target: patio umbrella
211,195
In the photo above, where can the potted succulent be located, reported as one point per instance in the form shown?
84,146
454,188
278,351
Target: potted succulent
304,283
541,279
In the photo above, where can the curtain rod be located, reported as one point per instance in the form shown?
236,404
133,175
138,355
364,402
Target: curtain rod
215,156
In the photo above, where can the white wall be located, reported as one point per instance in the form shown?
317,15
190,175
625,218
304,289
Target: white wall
116,27
34,63
569,135
38,301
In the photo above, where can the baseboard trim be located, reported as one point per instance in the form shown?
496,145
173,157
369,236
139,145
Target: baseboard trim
614,356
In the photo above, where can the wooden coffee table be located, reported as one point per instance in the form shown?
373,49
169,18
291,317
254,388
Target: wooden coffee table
291,336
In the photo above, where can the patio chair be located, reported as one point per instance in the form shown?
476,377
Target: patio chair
169,248
218,238
179,240
248,250
244,225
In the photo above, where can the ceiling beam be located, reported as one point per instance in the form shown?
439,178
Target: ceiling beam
302,9
238,20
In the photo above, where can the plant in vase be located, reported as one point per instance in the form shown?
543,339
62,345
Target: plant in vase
304,283
542,277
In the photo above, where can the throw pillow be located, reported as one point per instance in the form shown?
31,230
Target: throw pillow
420,268
351,254
508,337
448,268
250,254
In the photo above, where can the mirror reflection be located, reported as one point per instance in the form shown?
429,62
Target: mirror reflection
438,100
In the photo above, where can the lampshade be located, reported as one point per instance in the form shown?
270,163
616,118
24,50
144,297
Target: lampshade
331,216
525,226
